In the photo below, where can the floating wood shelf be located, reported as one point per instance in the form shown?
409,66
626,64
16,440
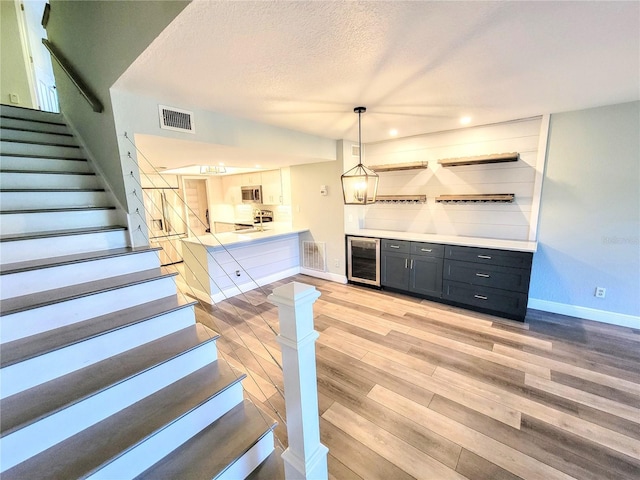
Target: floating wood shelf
390,167
480,159
401,198
478,198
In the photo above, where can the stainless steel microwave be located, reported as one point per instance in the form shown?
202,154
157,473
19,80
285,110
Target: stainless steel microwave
252,194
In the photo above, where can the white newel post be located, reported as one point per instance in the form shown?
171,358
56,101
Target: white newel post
306,457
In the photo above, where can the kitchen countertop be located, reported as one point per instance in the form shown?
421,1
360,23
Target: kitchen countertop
517,245
238,238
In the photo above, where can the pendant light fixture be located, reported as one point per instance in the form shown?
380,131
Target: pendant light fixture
360,184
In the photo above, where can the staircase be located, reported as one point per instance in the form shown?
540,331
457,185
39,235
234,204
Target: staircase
104,371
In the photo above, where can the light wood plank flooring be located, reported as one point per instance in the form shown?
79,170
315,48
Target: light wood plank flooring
414,389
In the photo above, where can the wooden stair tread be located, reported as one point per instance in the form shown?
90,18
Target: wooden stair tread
71,259
13,111
40,157
271,469
38,142
59,233
99,444
56,210
43,400
32,155
47,172
57,295
49,341
32,129
49,190
229,437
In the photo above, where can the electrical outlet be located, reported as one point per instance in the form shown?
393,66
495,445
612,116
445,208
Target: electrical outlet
600,292
336,262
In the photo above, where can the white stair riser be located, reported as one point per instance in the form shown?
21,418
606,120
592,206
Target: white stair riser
28,114
152,450
248,462
10,180
39,137
32,249
27,442
35,371
35,200
32,281
37,320
33,126
13,223
44,164
14,148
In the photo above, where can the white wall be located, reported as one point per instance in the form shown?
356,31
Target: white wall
514,221
14,77
323,215
589,230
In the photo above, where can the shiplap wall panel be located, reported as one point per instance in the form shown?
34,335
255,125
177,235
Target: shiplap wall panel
493,220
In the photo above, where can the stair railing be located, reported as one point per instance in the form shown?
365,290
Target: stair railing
216,312
74,76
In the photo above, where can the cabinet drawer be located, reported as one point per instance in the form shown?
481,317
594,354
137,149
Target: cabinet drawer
430,249
507,278
513,304
489,256
401,246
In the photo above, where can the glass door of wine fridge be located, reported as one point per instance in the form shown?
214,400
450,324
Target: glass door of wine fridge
363,260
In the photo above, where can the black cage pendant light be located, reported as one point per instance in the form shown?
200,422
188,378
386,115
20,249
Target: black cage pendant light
359,185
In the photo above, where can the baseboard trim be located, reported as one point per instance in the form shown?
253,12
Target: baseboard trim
603,316
332,277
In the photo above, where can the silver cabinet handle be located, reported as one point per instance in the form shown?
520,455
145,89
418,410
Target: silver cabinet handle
394,246
483,275
406,262
488,257
426,249
481,297
412,263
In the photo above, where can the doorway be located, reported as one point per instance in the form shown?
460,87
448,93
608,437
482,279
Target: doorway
44,83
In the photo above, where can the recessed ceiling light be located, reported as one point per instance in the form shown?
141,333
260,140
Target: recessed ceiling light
393,132
465,120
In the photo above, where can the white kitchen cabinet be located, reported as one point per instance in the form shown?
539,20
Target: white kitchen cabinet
231,187
271,187
251,179
285,182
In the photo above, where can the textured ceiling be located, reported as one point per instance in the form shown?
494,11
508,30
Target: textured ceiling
417,66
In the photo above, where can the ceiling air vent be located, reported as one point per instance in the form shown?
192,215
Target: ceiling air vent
176,119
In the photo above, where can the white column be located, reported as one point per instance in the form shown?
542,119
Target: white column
306,457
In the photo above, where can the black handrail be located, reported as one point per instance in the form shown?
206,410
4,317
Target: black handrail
74,76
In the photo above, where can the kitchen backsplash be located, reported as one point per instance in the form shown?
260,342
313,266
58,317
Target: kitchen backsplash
244,212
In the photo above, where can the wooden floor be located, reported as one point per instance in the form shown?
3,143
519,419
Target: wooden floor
414,389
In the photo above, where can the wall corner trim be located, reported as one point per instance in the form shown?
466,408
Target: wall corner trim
613,318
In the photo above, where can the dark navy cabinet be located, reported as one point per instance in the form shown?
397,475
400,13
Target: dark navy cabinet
415,267
495,281
484,279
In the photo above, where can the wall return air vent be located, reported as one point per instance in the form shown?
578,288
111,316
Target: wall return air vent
176,119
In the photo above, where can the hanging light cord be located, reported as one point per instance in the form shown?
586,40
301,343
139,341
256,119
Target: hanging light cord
359,136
